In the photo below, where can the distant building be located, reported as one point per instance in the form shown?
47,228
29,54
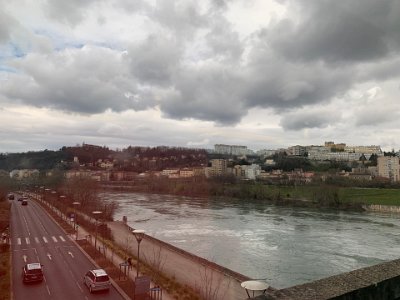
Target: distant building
297,150
219,167
231,149
24,173
388,167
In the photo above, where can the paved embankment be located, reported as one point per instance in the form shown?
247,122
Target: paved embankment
188,269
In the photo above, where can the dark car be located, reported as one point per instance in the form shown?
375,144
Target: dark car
10,196
32,272
24,202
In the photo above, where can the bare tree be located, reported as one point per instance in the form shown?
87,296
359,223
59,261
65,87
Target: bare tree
211,285
157,261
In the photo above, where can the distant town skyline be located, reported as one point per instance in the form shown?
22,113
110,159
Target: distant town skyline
263,74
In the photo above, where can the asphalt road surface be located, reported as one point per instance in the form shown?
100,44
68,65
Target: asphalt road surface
35,237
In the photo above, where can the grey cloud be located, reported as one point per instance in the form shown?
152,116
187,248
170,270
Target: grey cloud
309,119
71,12
223,40
6,25
339,31
210,93
155,60
89,80
182,17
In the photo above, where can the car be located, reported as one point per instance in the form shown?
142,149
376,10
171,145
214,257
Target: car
10,196
24,202
32,272
97,280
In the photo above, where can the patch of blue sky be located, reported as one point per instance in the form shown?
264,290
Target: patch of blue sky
60,41
10,50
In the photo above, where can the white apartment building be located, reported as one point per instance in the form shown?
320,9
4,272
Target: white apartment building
388,167
231,149
252,171
297,150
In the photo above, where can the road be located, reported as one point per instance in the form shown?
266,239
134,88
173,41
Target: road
35,237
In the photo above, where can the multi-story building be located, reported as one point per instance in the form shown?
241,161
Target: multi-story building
388,167
219,167
297,150
364,149
230,149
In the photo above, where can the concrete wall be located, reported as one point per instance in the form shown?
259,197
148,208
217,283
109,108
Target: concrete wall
372,283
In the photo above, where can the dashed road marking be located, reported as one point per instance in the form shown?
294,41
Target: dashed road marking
54,239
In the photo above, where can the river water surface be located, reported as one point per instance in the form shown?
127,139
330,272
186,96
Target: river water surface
285,246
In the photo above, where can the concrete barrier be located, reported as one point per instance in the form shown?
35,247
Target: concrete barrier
378,282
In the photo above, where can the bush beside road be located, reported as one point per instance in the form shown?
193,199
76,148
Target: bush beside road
5,263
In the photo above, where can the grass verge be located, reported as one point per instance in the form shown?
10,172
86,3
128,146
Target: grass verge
5,263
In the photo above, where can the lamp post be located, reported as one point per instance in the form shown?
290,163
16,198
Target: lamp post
45,197
139,234
75,204
61,199
96,213
53,199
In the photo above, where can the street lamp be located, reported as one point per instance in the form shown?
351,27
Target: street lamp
75,204
96,213
139,234
61,204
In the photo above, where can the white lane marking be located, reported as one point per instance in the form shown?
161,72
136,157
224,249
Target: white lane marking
19,241
27,227
61,238
45,240
70,253
27,241
49,255
48,290
37,240
77,283
54,239
24,258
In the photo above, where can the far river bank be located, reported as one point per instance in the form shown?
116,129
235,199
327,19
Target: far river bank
305,196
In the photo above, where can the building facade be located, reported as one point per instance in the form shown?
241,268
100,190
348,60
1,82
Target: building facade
388,167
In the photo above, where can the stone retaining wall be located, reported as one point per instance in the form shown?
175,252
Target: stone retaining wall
378,282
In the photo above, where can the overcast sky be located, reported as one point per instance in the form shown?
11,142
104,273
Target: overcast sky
261,73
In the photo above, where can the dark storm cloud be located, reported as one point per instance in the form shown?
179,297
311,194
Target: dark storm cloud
339,31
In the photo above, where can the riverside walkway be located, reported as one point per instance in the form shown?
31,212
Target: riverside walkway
211,280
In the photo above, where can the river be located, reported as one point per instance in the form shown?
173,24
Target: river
285,246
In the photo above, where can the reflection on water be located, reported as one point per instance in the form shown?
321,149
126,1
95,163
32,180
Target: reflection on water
287,246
